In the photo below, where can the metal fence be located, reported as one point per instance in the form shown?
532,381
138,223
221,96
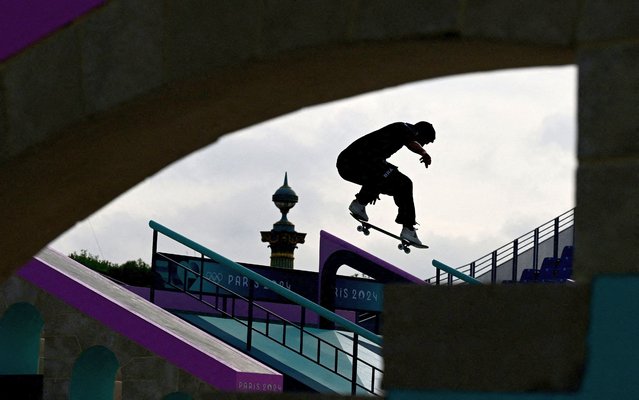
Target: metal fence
527,251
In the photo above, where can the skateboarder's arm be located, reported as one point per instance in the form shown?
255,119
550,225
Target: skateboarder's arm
418,149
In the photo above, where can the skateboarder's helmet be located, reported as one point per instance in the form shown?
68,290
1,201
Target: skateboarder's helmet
426,132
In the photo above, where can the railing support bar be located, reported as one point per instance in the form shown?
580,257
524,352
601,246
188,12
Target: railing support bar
555,242
153,266
493,267
354,375
468,279
249,327
536,249
302,323
201,276
515,259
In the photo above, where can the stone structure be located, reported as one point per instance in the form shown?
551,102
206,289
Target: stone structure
67,334
283,239
133,86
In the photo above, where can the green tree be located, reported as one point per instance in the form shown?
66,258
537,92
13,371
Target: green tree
134,272
92,261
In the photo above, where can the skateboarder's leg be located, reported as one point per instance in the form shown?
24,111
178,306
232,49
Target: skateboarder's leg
400,187
369,174
359,172
368,193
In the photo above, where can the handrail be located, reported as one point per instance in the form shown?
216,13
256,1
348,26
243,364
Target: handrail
282,291
453,271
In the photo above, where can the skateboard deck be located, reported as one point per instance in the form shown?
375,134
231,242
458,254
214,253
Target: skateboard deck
404,244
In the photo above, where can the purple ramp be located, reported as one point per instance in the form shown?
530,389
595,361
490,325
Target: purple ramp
329,244
24,22
157,330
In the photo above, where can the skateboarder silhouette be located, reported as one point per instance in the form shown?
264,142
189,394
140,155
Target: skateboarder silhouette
364,162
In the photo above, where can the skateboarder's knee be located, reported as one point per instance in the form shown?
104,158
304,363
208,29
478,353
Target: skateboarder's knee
402,183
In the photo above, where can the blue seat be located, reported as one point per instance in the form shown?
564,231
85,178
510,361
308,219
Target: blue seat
529,275
564,273
550,262
566,257
548,273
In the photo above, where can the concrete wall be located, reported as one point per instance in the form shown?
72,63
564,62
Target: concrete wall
67,333
607,223
109,100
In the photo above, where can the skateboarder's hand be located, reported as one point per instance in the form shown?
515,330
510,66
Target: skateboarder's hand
426,160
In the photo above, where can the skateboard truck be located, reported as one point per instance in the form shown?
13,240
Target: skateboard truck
364,229
404,244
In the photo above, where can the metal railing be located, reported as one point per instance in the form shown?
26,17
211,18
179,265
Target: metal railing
272,320
452,271
525,248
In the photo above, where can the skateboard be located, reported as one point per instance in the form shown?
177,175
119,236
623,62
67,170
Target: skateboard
404,244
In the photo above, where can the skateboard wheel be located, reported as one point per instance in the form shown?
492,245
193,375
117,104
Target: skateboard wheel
400,246
360,228
367,232
407,250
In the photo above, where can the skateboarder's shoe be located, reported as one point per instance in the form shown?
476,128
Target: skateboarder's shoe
410,235
359,210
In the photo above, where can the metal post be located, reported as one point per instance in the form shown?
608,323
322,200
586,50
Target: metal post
515,258
536,249
354,374
249,333
217,297
472,269
493,267
268,322
185,288
555,243
201,276
373,380
153,266
284,333
302,323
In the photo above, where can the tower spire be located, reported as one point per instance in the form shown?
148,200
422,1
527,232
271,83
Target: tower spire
283,239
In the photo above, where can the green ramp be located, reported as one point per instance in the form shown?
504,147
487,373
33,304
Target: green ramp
288,360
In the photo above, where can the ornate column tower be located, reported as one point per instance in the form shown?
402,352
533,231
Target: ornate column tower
283,239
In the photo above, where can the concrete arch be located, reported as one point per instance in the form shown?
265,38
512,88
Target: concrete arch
20,333
93,375
134,86
151,132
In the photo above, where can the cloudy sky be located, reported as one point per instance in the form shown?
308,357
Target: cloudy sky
503,163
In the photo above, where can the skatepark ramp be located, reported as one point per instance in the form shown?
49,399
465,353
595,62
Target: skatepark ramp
345,359
336,252
160,332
